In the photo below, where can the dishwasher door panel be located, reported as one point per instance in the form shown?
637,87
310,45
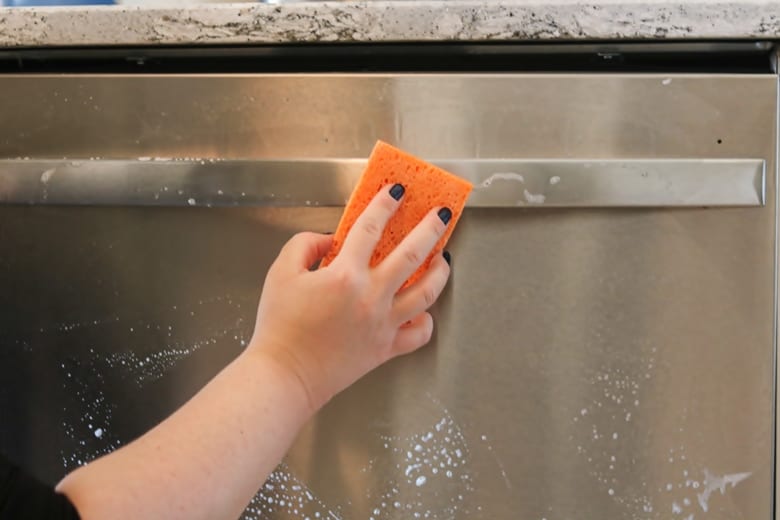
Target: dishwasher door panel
588,362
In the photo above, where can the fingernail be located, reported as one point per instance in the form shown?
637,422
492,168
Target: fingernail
447,257
445,214
397,191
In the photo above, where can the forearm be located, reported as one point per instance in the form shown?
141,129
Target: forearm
206,460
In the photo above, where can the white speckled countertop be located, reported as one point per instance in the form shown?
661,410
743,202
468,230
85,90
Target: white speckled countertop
383,20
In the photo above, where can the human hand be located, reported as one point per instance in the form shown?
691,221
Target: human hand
331,326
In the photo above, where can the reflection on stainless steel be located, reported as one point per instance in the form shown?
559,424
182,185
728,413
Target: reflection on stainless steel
588,362
499,183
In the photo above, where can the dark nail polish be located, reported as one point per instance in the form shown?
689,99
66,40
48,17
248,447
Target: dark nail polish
397,191
445,214
447,257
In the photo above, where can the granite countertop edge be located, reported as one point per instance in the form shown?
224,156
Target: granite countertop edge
389,21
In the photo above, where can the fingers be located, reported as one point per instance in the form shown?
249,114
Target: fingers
414,335
302,251
419,297
404,260
367,230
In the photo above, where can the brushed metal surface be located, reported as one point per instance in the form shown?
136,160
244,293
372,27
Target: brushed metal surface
446,116
587,362
498,183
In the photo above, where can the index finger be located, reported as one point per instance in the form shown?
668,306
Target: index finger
364,236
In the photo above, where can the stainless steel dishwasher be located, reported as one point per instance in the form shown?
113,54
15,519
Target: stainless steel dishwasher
605,348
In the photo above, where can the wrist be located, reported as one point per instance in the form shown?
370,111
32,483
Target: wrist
288,373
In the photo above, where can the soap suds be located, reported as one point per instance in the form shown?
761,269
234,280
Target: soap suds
284,494
534,198
47,175
504,176
615,404
714,482
602,433
435,459
88,413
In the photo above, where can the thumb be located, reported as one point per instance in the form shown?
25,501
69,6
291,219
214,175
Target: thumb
303,250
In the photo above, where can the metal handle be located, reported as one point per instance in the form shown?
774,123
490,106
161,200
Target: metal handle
498,183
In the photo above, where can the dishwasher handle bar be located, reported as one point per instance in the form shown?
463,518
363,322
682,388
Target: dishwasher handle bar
498,183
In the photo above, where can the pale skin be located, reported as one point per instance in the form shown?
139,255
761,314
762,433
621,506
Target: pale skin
317,332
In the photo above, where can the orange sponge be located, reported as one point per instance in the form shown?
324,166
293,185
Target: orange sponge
426,187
